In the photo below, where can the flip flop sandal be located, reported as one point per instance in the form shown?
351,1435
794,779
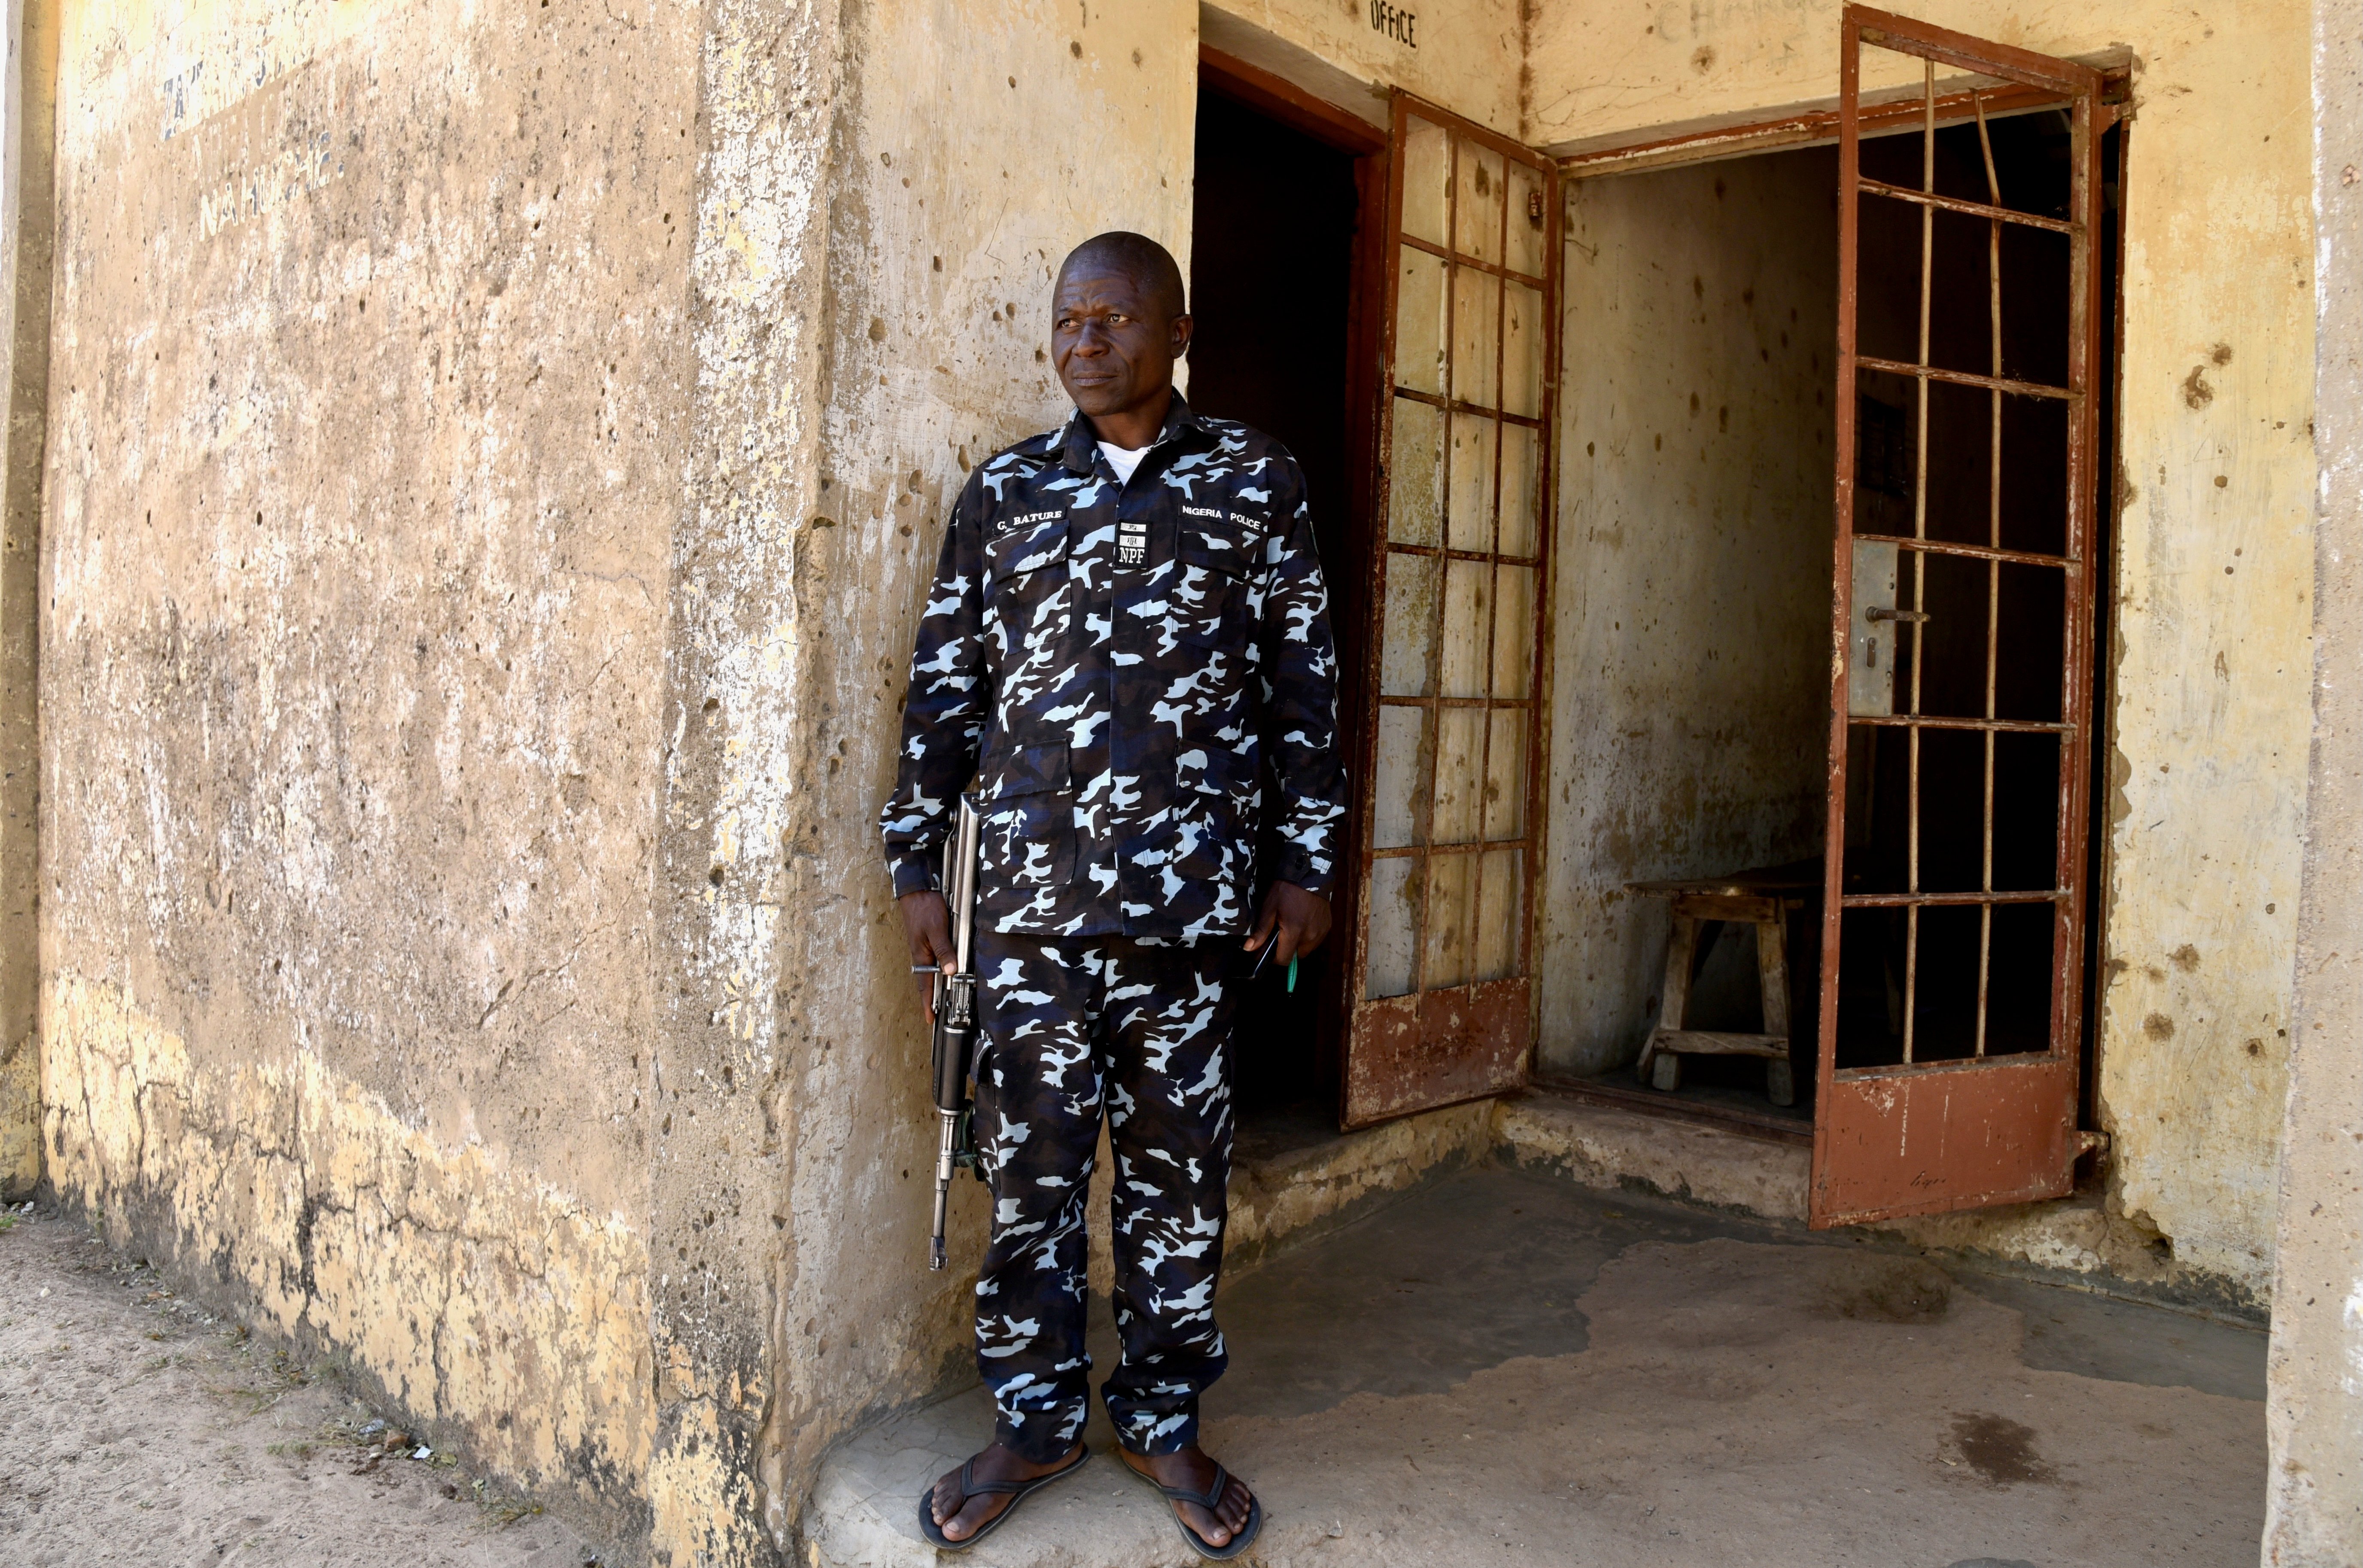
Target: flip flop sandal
1208,1499
971,1486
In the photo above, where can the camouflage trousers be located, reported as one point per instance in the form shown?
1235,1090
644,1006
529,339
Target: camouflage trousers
1072,1028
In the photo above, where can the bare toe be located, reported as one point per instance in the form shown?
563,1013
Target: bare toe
972,1518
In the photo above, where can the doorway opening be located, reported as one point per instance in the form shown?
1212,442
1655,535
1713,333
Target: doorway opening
1278,266
1692,622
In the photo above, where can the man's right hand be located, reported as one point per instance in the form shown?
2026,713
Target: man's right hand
927,928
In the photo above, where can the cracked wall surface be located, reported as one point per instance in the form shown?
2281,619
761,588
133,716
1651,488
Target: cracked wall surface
500,1309
369,380
27,139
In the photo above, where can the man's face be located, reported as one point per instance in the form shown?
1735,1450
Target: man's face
1112,340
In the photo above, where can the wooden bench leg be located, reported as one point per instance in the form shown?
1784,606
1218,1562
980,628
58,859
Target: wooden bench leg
1772,973
1663,1069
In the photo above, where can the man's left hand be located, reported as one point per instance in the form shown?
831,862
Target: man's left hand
1298,922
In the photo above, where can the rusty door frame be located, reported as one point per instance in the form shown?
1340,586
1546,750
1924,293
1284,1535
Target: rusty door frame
1361,818
1809,128
1991,1090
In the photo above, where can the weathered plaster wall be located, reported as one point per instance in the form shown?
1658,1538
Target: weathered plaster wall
371,368
1690,694
499,1308
2206,782
2313,1410
27,137
1466,56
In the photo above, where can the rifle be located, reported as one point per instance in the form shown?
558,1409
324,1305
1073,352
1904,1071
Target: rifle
956,1022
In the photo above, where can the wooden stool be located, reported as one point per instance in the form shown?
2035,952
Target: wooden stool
1763,899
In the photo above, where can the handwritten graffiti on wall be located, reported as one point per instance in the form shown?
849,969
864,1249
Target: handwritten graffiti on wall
276,146
218,67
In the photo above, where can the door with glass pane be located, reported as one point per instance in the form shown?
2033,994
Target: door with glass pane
1961,631
1442,995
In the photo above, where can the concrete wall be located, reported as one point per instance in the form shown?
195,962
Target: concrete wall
1467,55
2314,1402
2204,765
371,375
1690,692
27,135
494,458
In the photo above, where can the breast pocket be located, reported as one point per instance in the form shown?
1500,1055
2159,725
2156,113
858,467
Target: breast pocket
1018,770
1218,565
1025,549
1031,618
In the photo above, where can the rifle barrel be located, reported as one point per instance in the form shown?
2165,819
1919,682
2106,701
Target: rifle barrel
961,885
955,1015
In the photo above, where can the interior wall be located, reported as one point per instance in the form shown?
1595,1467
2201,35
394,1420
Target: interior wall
1690,688
2203,764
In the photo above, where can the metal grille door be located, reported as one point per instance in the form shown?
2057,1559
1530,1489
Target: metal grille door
1442,998
1961,626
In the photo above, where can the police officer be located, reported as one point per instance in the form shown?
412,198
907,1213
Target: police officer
1127,649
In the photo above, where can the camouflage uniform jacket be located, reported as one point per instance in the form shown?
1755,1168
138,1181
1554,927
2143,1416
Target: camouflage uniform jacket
1115,665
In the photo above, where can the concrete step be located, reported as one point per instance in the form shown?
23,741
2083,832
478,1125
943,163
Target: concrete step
1505,1367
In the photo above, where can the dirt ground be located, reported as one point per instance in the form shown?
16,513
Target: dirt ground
136,1428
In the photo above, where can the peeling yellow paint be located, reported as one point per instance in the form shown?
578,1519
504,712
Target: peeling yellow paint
704,1504
20,1118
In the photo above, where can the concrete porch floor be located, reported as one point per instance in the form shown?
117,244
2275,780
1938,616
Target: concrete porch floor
1502,1367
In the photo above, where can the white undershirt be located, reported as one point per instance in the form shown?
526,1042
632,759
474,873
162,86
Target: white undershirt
1122,459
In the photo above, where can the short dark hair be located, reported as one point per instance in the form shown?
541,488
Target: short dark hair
1137,256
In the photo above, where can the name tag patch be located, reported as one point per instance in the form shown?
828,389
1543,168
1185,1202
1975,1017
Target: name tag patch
1025,520
1131,543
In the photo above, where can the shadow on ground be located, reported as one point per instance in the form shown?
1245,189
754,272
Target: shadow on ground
1504,1368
